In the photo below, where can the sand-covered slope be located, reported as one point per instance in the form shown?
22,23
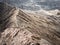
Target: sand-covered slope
18,27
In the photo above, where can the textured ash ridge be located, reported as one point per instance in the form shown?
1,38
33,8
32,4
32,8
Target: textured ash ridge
11,32
19,28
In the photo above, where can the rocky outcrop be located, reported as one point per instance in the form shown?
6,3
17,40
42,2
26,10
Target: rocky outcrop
20,28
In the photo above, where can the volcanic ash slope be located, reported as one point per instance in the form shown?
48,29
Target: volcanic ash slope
19,27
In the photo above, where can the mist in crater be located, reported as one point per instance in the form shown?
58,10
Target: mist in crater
35,4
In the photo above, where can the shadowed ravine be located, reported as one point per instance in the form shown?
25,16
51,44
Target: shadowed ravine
21,28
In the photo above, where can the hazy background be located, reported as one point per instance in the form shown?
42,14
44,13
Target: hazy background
35,4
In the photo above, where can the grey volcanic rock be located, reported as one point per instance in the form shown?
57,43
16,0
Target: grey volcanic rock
19,28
